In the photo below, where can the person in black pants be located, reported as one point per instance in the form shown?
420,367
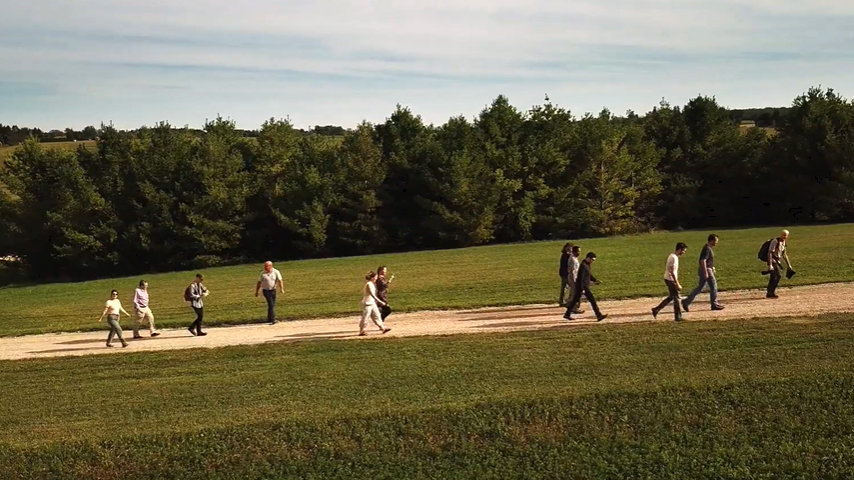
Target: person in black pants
671,279
563,273
776,255
197,294
582,284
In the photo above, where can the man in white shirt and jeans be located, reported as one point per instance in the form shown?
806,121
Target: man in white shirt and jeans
671,279
270,281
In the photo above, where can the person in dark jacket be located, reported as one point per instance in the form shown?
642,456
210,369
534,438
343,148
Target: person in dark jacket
563,272
582,284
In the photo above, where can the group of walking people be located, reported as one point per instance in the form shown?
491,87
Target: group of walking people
576,276
374,303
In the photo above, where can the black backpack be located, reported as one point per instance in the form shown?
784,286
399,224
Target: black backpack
763,250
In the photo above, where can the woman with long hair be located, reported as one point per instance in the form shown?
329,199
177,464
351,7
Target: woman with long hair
369,305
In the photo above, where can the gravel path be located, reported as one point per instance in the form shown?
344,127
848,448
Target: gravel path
798,301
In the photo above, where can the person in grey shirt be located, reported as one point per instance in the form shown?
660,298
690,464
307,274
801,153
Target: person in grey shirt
197,294
706,272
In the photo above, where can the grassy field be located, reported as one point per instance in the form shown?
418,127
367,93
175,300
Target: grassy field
629,266
737,399
7,151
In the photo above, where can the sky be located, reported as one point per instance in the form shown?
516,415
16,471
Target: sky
319,62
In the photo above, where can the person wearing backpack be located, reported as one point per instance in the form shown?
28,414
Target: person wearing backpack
777,253
195,294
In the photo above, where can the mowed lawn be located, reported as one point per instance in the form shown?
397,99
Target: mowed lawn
8,151
629,266
764,398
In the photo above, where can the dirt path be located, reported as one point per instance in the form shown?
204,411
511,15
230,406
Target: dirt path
798,301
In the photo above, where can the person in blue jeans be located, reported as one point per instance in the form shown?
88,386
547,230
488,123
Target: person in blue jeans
706,272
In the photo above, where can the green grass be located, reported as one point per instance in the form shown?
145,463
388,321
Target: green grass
736,399
8,151
628,266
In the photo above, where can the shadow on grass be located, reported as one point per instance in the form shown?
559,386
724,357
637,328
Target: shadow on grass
57,350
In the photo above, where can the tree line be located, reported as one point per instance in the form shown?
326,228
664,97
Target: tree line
11,135
162,198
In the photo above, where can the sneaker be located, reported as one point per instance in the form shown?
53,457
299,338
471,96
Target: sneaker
155,334
771,295
362,334
137,336
192,331
578,311
567,316
717,307
386,330
599,318
684,305
654,313
124,344
202,334
109,344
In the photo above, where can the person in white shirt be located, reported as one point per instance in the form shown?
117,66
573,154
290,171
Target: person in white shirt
671,279
111,311
776,253
270,281
369,305
574,265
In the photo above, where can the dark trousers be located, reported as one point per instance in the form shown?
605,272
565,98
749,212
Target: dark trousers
775,275
575,299
673,297
200,315
270,295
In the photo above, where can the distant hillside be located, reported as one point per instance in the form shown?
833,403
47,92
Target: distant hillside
762,117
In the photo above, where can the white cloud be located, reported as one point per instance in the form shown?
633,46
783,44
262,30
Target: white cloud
338,62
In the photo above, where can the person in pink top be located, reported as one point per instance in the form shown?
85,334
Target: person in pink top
142,309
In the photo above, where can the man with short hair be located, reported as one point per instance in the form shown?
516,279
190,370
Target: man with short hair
582,285
197,294
142,310
671,279
270,281
776,253
574,266
706,272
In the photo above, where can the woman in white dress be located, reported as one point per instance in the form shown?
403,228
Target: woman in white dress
111,310
370,304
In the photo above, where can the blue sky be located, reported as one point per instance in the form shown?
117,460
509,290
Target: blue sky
78,63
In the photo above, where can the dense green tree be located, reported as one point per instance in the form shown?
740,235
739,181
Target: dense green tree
359,174
816,140
62,226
